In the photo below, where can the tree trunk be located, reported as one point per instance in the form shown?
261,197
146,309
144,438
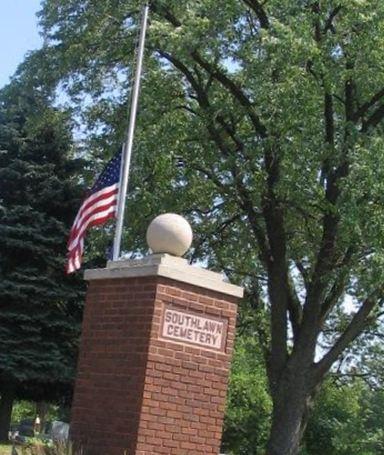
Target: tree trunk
6,404
41,411
291,406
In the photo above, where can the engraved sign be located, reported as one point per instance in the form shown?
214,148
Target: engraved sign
193,329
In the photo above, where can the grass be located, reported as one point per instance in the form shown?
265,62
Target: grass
38,449
56,449
5,449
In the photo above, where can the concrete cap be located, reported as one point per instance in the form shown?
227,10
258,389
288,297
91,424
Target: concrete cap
165,266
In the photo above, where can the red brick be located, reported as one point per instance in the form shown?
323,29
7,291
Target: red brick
138,393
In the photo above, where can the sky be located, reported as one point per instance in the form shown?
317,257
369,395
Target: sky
18,34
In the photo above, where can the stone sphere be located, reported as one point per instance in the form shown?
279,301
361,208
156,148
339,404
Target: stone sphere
169,233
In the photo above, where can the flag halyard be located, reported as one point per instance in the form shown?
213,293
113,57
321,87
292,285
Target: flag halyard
99,206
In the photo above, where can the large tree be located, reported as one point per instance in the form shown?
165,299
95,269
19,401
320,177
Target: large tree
40,309
273,111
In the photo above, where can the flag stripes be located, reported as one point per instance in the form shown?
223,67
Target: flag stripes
96,209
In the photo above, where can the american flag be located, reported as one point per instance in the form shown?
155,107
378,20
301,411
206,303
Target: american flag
99,206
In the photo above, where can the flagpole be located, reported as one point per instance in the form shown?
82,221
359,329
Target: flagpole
127,146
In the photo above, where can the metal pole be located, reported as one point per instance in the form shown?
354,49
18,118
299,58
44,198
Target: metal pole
127,147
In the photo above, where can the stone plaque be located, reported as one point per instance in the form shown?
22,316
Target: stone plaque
191,328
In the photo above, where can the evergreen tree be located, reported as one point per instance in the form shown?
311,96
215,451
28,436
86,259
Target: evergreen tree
40,308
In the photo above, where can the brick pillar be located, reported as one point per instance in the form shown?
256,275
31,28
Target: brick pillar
154,359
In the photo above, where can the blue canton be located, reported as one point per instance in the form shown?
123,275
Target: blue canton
110,175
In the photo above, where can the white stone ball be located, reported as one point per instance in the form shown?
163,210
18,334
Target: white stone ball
169,233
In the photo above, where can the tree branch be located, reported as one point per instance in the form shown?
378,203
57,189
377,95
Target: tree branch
374,119
256,302
329,134
186,108
164,12
329,121
231,132
202,212
182,68
303,272
338,287
327,254
210,174
363,109
254,221
258,9
354,329
219,230
234,89
217,74
295,311
245,199
329,22
278,281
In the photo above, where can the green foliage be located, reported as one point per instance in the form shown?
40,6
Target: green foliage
249,404
23,410
347,420
274,110
40,307
174,122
